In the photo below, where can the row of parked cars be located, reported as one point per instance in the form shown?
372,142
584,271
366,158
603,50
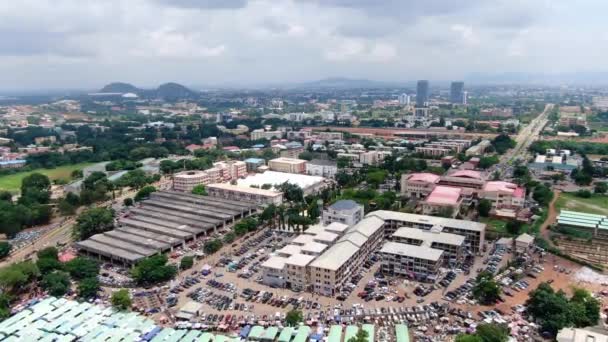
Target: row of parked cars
215,300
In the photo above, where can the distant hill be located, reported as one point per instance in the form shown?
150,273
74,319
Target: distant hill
119,87
174,91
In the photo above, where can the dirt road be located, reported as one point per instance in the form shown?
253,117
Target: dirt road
551,217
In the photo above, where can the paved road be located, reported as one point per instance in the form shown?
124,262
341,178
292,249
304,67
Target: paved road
524,138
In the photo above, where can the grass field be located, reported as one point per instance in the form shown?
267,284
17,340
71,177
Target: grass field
597,204
12,182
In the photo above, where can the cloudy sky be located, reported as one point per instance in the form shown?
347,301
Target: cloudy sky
87,43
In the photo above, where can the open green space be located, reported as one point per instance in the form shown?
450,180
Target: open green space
12,182
494,224
596,204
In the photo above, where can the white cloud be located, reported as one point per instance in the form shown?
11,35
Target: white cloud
262,41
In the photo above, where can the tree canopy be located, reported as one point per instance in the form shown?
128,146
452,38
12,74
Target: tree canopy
93,221
121,300
486,289
553,310
153,270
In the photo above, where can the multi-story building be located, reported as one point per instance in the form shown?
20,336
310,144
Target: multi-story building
240,193
442,200
422,93
231,169
253,164
347,212
42,140
332,269
473,232
186,181
411,261
404,99
12,164
451,244
433,150
296,271
292,150
288,165
322,168
464,179
259,134
572,119
299,135
329,136
457,92
373,157
478,149
418,185
504,194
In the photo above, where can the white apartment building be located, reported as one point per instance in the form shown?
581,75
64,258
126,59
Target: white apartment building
241,193
473,232
288,165
268,135
332,269
347,212
451,244
322,168
373,157
411,261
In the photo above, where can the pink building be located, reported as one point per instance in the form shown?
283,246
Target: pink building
418,185
441,198
504,194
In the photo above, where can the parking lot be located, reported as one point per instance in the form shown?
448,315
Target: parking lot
228,285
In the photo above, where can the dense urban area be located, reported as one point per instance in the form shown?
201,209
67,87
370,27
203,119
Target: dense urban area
327,212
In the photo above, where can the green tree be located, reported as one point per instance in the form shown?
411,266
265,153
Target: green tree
6,196
601,187
76,174
128,202
468,338
48,252
36,188
212,246
361,336
48,265
152,270
65,208
82,268
5,306
5,249
56,283
88,288
93,221
229,237
16,277
294,317
513,227
121,300
486,289
492,332
376,178
186,263
144,193
484,207
199,190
